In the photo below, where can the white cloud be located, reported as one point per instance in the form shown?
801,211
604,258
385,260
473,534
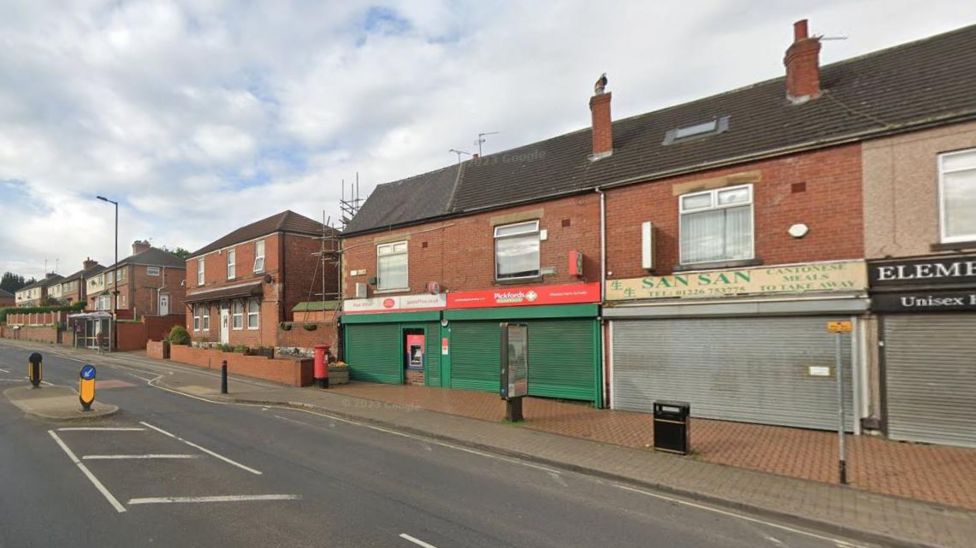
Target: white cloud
200,116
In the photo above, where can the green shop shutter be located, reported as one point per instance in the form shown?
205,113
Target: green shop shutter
432,376
373,352
475,349
561,358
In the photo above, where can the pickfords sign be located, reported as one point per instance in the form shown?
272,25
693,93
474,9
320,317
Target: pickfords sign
803,278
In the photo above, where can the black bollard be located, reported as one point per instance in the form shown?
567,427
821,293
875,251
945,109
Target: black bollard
223,377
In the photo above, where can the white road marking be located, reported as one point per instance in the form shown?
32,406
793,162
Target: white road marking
204,449
91,477
127,457
222,498
836,541
4,370
101,429
416,541
558,479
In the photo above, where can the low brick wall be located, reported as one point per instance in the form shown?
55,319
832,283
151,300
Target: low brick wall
280,370
158,350
36,333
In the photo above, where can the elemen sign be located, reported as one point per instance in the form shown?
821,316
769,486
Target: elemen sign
923,285
923,272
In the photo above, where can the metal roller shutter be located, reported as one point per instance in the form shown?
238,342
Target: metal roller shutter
561,354
475,354
930,363
741,369
373,352
432,375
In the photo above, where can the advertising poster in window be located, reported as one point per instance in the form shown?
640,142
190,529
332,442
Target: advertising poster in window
515,360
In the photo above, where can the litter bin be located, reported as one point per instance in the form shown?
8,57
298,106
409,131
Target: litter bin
671,421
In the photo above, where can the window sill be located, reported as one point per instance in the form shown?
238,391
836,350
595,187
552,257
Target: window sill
954,246
388,291
517,281
717,265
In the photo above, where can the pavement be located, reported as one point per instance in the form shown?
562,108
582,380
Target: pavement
857,513
55,403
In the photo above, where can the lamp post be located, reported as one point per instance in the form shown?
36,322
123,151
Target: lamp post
115,274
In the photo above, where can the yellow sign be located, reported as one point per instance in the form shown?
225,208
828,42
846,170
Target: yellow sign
840,327
803,278
86,392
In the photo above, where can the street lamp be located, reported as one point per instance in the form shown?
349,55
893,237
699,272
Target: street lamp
115,274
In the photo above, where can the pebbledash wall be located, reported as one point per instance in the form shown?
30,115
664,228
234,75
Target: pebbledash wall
461,347
753,352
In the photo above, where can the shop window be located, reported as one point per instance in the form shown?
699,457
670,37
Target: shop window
957,195
716,225
259,256
517,251
231,264
253,311
200,271
391,266
237,314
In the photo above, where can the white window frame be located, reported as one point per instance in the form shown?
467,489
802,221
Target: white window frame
196,317
406,259
943,237
205,317
237,317
201,271
532,227
259,256
715,206
153,270
253,310
231,264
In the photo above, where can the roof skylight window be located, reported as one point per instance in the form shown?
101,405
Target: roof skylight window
711,127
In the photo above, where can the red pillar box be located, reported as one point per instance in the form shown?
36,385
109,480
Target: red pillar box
321,372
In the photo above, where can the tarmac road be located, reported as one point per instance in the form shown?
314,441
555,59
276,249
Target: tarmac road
171,470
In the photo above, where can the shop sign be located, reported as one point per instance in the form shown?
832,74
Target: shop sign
929,301
803,278
932,271
525,296
404,303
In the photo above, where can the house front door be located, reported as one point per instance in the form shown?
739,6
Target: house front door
163,304
224,326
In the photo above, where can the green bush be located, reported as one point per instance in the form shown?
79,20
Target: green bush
178,335
310,327
285,326
240,348
77,307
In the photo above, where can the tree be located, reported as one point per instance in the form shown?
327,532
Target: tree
12,282
179,251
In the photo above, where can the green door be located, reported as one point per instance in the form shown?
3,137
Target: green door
432,367
373,352
475,348
561,358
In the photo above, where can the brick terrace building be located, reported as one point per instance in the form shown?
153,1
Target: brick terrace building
71,289
6,298
36,294
149,283
243,285
727,230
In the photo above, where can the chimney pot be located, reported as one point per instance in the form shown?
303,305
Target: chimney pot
800,30
802,62
139,246
602,125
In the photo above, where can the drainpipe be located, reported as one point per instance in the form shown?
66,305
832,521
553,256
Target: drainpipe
603,285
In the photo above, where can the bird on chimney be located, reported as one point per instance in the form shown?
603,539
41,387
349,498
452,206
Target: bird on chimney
600,84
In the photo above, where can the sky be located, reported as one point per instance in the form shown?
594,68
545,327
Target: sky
201,116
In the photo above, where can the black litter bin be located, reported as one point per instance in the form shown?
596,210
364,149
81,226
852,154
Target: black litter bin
671,426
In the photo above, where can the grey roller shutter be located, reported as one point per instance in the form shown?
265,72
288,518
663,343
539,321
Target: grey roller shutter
930,365
740,369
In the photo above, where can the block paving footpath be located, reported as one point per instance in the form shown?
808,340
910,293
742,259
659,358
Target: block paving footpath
546,438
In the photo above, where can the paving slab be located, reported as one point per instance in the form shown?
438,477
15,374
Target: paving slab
55,403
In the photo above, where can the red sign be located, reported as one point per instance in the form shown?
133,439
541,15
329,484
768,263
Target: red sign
526,296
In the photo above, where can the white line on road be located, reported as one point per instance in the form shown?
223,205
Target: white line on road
416,541
223,498
4,370
101,429
126,457
204,449
91,477
836,541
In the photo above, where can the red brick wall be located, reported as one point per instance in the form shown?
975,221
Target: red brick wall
303,272
280,370
830,206
41,333
156,349
298,336
131,336
459,253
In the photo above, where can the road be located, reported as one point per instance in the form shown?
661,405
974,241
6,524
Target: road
172,470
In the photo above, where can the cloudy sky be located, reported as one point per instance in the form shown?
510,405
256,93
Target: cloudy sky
200,116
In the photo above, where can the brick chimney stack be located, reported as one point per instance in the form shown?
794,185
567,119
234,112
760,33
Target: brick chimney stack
802,65
602,125
89,264
139,246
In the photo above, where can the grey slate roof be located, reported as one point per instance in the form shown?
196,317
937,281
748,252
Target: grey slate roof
5,293
84,273
44,282
286,221
926,82
154,257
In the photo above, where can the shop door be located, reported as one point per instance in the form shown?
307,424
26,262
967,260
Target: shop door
930,365
739,369
224,325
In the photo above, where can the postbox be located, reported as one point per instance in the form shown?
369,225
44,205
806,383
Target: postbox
321,372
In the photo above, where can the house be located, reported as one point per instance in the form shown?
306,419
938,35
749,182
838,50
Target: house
243,286
36,294
6,298
71,289
721,234
147,283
